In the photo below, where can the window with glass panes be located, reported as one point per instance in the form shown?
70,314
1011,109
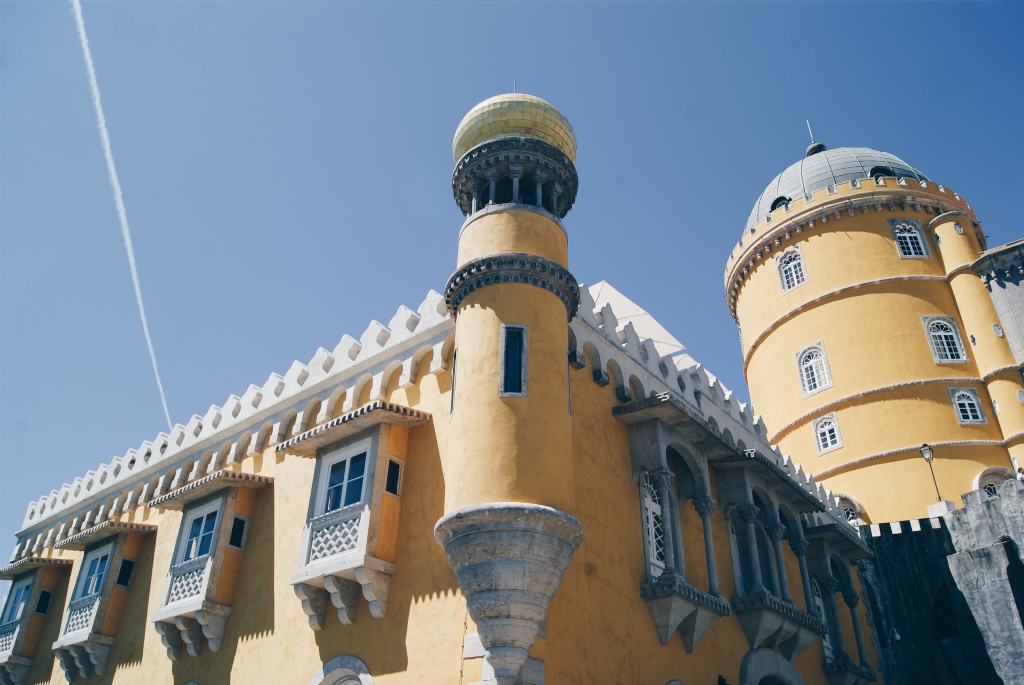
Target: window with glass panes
200,530
17,598
95,568
345,482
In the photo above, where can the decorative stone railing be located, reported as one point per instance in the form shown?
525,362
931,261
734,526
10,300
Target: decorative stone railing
767,619
845,671
674,604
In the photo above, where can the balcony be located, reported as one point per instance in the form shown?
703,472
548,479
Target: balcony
767,619
845,671
37,579
674,603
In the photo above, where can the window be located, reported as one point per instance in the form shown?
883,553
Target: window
967,405
125,573
654,531
826,434
819,607
909,240
851,511
199,529
513,360
17,598
990,489
944,339
95,565
238,528
813,369
791,270
451,400
43,605
394,477
342,476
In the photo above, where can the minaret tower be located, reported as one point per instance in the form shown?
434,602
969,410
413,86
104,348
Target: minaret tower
507,530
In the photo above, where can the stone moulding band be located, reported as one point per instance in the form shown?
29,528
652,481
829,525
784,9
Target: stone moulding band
513,267
831,406
912,448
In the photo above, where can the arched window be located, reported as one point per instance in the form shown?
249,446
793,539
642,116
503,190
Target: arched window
945,341
968,407
814,375
909,241
851,510
791,270
819,606
990,477
826,434
654,530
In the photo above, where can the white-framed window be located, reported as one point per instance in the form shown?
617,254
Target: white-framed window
944,339
967,405
826,434
819,606
199,531
792,273
812,366
17,598
513,360
94,570
909,238
342,478
654,529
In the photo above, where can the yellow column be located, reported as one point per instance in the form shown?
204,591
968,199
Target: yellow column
959,248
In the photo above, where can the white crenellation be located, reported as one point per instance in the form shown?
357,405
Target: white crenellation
244,426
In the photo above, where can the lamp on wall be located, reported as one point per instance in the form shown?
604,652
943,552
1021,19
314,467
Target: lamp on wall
928,454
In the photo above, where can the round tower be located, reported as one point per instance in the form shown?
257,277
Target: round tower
507,530
866,335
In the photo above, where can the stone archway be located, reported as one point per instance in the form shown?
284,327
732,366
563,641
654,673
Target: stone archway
343,670
767,667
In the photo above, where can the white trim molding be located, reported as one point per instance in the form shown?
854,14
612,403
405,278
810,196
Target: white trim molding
909,229
799,276
822,373
834,438
965,415
951,322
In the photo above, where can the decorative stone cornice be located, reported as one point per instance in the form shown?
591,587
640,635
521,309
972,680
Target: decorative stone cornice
514,267
534,156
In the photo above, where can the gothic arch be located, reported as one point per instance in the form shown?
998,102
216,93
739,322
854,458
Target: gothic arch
765,666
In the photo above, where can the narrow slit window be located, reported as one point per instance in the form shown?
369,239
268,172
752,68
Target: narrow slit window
237,538
394,477
43,605
124,575
513,381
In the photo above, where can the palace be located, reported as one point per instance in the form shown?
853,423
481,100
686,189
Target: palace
528,480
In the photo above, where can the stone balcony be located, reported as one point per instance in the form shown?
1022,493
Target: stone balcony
767,619
674,603
845,671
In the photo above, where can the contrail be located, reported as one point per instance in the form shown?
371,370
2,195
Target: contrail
115,185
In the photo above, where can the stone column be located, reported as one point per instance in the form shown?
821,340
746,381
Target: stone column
492,180
831,586
475,188
799,547
663,482
556,190
775,534
704,507
538,178
516,172
851,598
748,514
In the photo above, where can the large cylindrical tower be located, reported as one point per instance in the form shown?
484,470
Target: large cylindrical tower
865,334
508,531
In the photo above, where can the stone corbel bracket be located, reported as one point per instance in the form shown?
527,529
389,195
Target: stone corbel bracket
509,558
86,658
207,623
14,670
343,594
674,604
767,619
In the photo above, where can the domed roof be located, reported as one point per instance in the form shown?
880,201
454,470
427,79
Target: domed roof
822,168
514,114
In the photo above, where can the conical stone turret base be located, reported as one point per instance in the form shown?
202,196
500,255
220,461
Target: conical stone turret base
509,558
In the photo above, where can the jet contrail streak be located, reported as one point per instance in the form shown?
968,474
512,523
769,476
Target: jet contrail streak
115,185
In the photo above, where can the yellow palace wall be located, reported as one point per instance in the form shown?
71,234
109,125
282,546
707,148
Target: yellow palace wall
864,304
598,630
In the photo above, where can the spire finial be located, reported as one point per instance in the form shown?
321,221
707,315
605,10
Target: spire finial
807,119
815,147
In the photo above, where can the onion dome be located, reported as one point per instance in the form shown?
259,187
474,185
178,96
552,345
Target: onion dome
822,168
514,114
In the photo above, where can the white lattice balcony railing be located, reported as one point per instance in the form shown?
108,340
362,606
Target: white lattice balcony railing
80,615
336,566
7,635
187,580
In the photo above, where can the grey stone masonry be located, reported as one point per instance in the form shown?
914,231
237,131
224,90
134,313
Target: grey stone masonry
988,570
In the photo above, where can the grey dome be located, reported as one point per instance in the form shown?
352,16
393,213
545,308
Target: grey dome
827,168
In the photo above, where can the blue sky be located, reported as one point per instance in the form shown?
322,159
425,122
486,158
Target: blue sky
286,170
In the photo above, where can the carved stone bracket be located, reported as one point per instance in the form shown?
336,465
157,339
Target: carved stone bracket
513,267
344,594
190,631
85,658
375,589
509,559
314,603
170,637
767,619
14,670
674,604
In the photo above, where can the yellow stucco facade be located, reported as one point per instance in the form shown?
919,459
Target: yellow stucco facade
506,486
864,303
